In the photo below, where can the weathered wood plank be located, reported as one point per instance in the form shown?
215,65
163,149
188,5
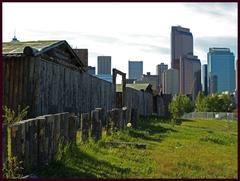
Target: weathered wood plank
85,126
72,129
95,127
11,91
20,82
4,143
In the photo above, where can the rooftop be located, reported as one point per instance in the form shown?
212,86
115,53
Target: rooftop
18,47
133,86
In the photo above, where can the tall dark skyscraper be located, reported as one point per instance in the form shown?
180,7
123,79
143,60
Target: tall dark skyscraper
104,65
190,75
181,44
204,79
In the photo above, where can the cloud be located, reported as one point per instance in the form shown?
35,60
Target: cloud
204,43
219,10
156,49
94,54
149,47
100,38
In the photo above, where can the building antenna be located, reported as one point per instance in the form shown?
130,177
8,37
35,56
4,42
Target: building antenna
15,33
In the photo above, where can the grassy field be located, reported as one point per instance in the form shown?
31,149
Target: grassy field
191,149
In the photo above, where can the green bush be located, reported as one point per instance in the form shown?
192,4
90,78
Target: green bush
179,106
214,103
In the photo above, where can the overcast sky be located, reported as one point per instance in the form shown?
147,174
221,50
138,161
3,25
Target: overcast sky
125,31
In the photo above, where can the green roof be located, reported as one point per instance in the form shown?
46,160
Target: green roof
17,47
133,86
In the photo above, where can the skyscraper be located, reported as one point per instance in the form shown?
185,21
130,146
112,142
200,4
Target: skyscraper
190,75
159,71
135,69
181,44
204,79
171,81
104,65
221,69
83,56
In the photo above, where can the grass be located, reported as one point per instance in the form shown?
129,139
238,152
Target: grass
191,149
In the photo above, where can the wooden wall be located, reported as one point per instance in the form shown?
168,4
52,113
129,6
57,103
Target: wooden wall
140,100
48,87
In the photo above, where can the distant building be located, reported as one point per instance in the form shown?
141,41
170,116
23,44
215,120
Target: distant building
204,79
135,69
221,64
130,81
159,71
213,82
83,56
104,65
150,79
190,75
181,44
91,70
171,82
14,40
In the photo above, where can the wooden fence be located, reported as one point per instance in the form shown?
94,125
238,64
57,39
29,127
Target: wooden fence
36,141
140,100
47,87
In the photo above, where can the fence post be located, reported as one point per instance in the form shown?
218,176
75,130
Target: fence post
124,117
134,117
17,141
116,118
72,129
31,143
109,122
57,130
102,116
42,147
4,143
95,125
85,124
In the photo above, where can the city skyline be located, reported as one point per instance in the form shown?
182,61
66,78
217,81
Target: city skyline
103,29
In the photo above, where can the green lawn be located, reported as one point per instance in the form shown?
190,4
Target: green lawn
191,149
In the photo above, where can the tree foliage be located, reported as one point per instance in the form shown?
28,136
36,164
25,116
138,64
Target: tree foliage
179,106
214,103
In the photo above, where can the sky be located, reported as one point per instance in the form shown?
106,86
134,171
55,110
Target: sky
124,31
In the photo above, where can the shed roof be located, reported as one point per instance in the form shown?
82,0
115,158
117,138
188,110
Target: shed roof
18,47
39,47
133,86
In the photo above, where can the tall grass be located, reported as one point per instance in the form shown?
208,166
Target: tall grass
189,149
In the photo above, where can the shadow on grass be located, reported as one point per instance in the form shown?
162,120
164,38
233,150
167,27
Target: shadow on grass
154,128
77,164
149,129
186,120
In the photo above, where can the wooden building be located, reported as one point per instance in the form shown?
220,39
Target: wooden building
49,77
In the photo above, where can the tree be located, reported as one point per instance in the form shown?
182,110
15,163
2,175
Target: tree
215,103
200,102
179,106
